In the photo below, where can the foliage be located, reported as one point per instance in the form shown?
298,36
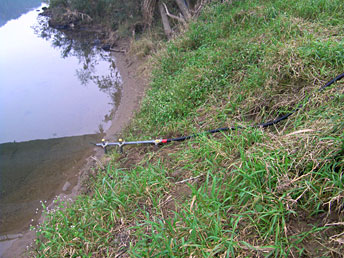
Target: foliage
113,12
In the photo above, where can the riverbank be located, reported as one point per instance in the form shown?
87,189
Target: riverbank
254,192
133,88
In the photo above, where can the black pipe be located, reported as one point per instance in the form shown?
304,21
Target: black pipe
121,143
262,125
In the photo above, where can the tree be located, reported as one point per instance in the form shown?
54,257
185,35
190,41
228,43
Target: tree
148,7
186,12
131,13
165,22
184,9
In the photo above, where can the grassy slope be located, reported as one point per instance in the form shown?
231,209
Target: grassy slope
275,192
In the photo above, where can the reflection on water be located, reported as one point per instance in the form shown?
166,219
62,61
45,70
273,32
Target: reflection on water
55,84
60,88
85,46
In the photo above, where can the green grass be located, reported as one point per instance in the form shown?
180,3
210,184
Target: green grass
275,192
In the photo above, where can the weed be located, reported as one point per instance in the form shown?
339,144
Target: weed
276,192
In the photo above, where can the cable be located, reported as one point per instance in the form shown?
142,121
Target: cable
262,125
121,143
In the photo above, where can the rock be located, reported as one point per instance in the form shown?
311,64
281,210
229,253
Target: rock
10,237
106,47
96,42
46,12
60,27
66,186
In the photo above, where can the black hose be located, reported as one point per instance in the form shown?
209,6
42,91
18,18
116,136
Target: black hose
104,144
262,125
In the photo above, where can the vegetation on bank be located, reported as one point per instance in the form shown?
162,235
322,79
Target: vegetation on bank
129,17
108,12
275,192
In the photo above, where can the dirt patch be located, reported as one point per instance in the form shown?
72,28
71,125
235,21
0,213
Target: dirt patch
134,85
317,243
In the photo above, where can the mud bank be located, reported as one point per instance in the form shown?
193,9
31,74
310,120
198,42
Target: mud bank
132,92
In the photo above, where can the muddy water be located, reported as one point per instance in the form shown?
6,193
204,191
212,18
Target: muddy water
37,170
58,93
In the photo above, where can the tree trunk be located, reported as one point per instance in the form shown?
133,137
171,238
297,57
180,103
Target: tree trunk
148,7
165,22
184,9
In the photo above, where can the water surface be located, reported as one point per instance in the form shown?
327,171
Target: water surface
12,9
58,93
49,88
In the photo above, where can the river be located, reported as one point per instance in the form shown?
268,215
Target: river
58,93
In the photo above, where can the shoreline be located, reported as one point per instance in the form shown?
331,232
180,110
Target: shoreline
133,89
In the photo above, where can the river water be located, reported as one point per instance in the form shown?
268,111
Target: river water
58,93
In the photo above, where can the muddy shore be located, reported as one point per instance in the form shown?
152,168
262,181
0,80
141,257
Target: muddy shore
132,92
